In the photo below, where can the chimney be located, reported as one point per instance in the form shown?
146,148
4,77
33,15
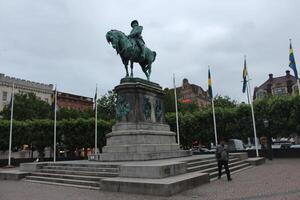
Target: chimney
270,76
287,72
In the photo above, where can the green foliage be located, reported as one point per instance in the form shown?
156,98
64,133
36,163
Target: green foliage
107,106
169,100
72,134
235,121
27,106
64,113
224,102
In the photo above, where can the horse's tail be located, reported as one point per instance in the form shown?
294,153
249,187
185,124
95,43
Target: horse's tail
154,55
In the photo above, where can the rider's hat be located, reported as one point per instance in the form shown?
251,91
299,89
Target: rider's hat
134,22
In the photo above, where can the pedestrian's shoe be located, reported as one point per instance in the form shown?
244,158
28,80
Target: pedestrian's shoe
219,177
230,179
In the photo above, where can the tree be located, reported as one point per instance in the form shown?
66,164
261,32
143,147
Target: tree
169,100
224,102
107,106
64,113
28,106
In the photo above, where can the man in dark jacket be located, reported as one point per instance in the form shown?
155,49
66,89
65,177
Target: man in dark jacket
222,157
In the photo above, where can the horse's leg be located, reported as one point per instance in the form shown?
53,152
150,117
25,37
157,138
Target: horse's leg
125,62
144,68
126,67
149,70
131,67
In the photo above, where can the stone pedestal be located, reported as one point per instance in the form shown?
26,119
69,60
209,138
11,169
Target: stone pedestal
140,132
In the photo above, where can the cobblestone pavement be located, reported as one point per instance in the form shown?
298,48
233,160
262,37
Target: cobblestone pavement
276,180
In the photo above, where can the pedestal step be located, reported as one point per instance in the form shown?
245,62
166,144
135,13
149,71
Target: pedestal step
72,174
161,187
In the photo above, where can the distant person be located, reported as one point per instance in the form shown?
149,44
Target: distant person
222,157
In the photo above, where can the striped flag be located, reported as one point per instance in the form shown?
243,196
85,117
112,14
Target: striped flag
210,93
292,63
245,74
95,100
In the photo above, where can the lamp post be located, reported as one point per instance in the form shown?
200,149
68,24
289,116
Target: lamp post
269,141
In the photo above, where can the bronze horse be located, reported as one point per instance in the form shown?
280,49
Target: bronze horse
129,51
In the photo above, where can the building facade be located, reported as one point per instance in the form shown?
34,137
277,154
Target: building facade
72,101
276,86
189,93
42,91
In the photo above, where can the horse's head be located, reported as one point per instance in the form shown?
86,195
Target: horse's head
118,40
112,38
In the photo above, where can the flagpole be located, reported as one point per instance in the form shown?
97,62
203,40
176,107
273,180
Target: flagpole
214,119
213,105
55,108
252,111
11,121
176,111
96,140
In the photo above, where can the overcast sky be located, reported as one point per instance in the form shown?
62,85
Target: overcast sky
63,41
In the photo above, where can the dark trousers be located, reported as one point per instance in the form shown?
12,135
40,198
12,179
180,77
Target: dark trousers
220,165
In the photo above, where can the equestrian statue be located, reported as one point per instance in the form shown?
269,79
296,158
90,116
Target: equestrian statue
132,48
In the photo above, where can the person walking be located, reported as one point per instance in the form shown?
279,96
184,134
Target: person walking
222,157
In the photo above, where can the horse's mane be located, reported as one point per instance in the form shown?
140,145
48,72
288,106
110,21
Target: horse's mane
114,30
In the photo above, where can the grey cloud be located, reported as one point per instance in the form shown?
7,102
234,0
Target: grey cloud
62,41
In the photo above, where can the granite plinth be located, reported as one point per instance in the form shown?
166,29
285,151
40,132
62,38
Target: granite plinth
140,132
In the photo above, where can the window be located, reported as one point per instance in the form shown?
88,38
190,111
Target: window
279,91
261,94
295,89
4,96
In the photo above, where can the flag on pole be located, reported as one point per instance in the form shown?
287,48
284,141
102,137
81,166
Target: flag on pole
245,74
95,100
292,63
210,94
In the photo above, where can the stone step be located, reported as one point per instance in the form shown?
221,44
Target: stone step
82,165
90,169
232,169
161,186
65,181
213,178
203,162
215,168
77,172
68,176
63,184
200,166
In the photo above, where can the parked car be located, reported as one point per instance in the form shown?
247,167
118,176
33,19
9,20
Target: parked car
235,145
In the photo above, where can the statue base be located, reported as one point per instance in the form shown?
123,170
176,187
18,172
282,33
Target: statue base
140,132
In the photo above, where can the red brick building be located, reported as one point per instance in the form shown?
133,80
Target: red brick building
72,101
188,93
276,86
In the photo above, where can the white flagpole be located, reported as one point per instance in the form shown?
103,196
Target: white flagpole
96,145
253,118
176,110
213,109
55,108
11,121
214,118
